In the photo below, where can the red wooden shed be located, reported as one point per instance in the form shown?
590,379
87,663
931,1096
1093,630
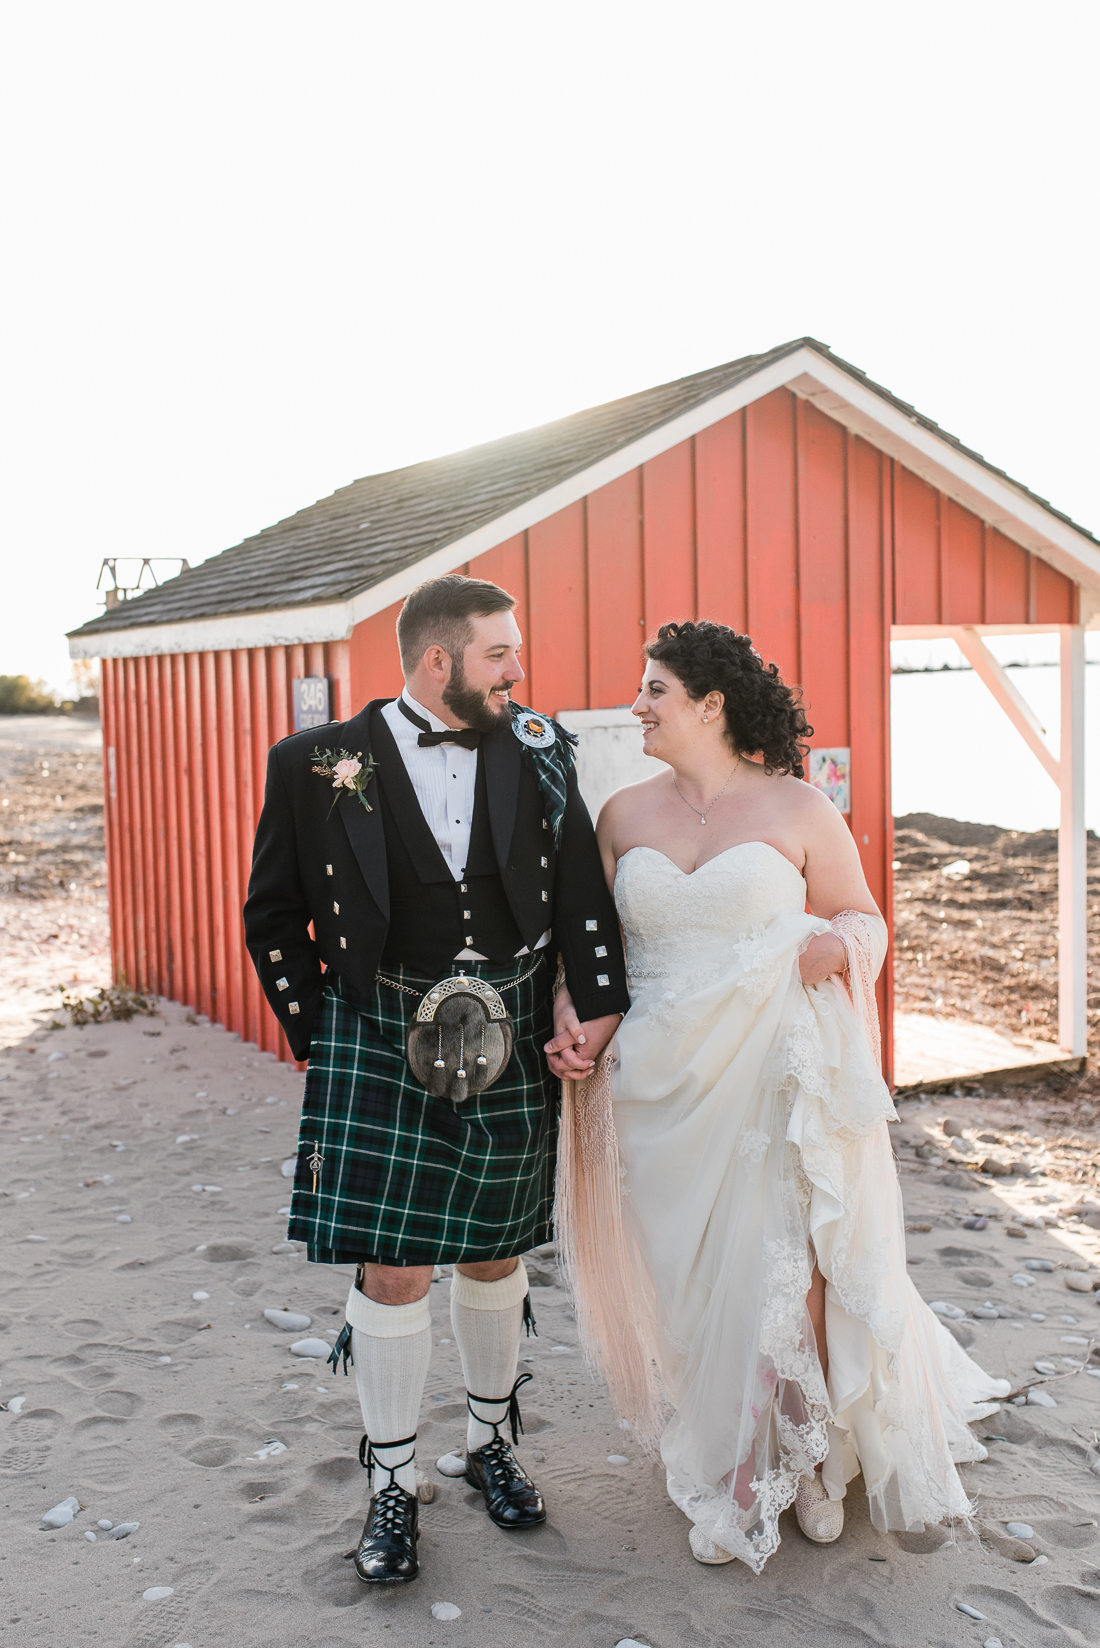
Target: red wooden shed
785,494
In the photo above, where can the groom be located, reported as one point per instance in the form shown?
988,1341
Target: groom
438,834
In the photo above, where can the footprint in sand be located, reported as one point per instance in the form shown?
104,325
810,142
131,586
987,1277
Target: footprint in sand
181,1424
123,1403
212,1451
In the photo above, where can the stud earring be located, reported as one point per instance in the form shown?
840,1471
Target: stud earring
706,717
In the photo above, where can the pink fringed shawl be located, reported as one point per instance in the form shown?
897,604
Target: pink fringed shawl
615,1310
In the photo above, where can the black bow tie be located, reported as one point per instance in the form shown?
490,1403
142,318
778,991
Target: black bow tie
468,737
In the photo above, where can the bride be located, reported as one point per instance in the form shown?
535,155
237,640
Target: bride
735,1240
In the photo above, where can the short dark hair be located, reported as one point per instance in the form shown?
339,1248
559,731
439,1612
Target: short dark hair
762,714
438,613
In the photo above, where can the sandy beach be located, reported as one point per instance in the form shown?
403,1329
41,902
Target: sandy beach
144,1239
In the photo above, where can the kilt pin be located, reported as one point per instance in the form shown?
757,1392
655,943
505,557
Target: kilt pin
388,1173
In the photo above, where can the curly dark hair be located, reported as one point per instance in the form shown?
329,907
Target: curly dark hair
762,714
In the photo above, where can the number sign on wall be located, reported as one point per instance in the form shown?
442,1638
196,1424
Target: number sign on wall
311,702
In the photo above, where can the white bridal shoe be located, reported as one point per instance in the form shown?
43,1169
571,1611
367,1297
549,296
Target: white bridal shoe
705,1550
820,1518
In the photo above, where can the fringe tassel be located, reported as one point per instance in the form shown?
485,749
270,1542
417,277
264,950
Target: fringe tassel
616,1316
529,1316
342,1347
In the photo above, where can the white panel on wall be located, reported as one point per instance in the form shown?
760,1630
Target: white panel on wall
609,754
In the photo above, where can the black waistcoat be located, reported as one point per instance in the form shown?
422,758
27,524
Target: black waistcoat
433,916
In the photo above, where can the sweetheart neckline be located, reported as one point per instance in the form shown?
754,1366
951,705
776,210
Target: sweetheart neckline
687,874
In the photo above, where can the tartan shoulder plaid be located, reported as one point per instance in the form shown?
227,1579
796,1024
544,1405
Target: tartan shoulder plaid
390,1175
551,766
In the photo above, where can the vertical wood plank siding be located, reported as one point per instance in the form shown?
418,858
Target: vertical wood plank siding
777,521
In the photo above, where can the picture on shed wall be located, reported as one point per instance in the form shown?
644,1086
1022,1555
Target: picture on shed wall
831,771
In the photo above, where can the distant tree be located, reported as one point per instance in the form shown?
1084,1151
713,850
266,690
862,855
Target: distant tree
19,695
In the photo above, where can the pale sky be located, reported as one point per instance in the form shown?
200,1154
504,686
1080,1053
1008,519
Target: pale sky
254,251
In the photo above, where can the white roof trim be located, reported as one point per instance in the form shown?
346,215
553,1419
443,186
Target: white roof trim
806,372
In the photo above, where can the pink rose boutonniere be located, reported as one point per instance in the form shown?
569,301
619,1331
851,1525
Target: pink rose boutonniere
346,771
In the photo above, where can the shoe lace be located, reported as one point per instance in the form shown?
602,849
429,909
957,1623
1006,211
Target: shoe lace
388,1511
513,1417
390,1500
500,1464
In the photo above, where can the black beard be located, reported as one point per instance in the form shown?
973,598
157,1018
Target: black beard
468,705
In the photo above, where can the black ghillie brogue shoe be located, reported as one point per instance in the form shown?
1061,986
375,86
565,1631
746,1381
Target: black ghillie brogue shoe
511,1498
386,1554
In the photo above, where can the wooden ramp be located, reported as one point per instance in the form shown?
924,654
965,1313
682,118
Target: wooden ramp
934,1053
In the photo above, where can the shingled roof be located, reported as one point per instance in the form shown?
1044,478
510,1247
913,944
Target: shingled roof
382,524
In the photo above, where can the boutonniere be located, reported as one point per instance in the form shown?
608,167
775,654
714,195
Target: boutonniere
347,773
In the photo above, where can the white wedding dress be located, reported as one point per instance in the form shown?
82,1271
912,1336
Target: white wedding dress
751,1121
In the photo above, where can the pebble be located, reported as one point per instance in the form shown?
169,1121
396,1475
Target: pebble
978,1222
1022,1280
971,1613
1078,1281
1037,1561
164,1358
199,1297
1072,1339
1020,1530
157,1593
123,1530
992,1642
1017,1231
186,1138
451,1464
1037,1316
985,1313
59,1516
284,1247
309,1347
38,1238
1044,1367
285,1211
15,1404
206,1187
289,1167
90,1536
104,1524
630,1642
1072,1320
445,1610
291,1387
291,1321
617,1459
952,1312
124,1219
1040,1399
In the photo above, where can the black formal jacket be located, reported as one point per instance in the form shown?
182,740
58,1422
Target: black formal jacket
315,862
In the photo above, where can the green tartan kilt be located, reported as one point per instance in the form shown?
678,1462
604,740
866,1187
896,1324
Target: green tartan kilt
408,1179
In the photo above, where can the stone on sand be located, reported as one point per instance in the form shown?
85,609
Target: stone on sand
123,1530
289,1167
1040,1399
309,1347
290,1321
1078,1281
445,1610
157,1593
451,1464
59,1516
1020,1530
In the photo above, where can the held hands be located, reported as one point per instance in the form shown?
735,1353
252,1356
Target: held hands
575,1048
823,956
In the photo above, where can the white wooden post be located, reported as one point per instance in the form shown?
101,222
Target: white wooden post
1072,884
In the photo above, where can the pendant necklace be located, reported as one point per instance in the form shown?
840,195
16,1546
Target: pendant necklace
721,792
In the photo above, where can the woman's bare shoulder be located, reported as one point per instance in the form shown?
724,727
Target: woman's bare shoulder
632,799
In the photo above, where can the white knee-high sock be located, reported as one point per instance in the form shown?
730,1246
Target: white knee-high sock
487,1318
392,1346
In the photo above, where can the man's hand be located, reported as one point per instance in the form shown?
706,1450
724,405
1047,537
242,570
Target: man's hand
823,956
576,1046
